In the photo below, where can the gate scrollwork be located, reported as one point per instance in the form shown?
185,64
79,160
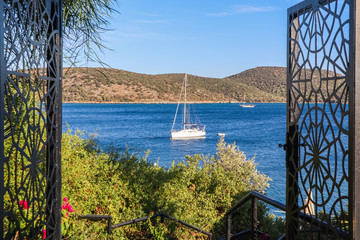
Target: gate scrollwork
319,49
30,99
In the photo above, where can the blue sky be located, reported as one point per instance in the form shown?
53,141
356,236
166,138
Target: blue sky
205,38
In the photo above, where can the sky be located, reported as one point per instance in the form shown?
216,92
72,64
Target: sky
204,38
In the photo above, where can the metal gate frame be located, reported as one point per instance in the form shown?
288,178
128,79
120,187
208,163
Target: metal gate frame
355,126
30,126
308,93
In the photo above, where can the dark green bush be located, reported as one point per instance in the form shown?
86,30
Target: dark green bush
198,190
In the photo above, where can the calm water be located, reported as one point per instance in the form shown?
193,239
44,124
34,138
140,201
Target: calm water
256,131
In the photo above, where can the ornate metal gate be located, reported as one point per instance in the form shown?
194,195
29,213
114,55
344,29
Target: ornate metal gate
30,129
321,121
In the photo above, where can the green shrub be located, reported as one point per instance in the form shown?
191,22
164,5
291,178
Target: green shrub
199,190
93,187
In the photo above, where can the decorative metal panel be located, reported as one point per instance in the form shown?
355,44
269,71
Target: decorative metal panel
318,83
30,99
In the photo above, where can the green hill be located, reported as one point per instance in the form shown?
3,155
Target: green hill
268,79
261,84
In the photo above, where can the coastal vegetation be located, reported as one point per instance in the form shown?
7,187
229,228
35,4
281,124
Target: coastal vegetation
199,190
261,84
107,85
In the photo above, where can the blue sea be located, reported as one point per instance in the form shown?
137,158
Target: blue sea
256,131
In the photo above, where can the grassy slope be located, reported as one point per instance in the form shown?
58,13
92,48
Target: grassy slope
262,84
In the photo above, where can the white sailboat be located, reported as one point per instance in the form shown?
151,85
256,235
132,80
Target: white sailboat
189,130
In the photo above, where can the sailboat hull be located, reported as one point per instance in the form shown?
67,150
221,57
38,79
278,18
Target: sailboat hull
188,134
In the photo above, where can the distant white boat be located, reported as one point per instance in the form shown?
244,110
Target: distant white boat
221,134
246,105
189,130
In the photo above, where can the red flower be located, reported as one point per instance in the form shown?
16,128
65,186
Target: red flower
67,206
70,209
264,236
44,234
24,204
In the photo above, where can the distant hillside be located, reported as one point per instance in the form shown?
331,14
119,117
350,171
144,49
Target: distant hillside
269,79
262,84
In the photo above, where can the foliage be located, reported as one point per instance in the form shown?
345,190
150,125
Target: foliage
157,232
84,22
93,187
198,190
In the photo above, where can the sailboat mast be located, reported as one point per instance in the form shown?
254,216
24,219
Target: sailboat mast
185,79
